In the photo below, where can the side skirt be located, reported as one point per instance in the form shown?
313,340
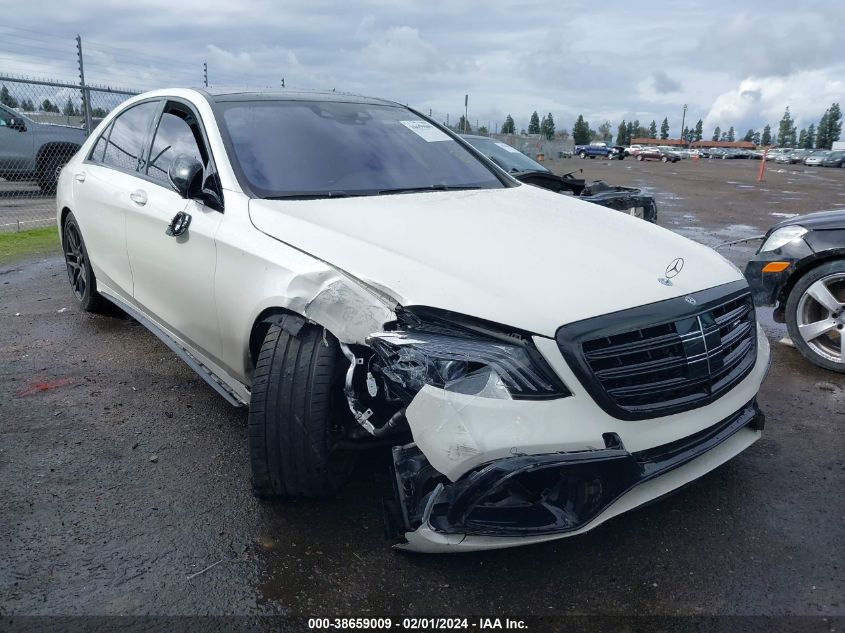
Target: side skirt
232,391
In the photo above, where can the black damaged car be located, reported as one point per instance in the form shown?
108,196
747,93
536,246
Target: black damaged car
628,200
800,270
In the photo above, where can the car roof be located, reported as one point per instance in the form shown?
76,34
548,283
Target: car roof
223,94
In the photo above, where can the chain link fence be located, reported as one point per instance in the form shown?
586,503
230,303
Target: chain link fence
42,124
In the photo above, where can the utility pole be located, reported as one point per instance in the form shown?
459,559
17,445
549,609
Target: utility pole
683,120
86,95
466,106
205,74
283,84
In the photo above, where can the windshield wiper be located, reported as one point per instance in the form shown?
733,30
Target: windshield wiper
388,192
310,195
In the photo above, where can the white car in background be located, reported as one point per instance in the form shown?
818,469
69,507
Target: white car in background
360,276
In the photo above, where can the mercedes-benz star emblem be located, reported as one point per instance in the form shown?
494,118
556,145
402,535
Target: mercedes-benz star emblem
674,268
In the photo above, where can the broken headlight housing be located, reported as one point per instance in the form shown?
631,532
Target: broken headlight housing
461,355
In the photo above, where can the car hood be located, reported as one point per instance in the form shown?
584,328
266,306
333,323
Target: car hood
820,220
520,256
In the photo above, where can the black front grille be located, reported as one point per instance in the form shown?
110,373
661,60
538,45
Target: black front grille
665,357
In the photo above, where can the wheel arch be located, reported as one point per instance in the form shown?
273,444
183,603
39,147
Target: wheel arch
803,267
58,148
288,319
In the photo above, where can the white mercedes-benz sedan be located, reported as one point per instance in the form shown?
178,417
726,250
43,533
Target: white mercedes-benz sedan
358,276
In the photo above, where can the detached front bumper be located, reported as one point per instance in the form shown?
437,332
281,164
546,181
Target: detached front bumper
532,498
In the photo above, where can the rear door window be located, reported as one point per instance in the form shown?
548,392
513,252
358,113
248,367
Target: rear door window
124,149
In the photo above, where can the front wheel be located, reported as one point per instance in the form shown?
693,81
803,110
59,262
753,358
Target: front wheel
582,155
664,159
815,316
79,271
640,157
295,415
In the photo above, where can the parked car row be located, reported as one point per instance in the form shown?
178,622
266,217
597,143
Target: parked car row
809,157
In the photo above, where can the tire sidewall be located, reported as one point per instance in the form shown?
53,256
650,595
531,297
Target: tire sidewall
791,313
90,300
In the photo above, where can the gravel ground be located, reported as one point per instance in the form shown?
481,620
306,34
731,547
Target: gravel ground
123,475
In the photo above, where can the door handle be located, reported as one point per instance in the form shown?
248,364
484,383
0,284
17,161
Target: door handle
139,197
79,177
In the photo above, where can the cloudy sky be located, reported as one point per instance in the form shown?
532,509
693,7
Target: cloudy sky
733,63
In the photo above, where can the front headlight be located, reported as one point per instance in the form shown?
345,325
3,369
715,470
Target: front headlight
782,237
463,362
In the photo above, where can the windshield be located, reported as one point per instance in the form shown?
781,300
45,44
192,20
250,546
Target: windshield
289,149
507,157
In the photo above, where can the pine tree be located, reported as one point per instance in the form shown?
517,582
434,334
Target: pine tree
731,134
686,135
508,127
749,136
547,127
652,130
629,132
756,139
802,139
69,109
622,134
664,128
7,99
534,123
603,133
786,130
830,127
637,130
717,133
581,133
699,130
811,136
766,139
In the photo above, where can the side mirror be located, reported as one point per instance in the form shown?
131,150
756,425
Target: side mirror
17,124
185,175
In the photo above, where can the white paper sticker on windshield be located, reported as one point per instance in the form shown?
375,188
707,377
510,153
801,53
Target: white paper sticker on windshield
507,147
426,130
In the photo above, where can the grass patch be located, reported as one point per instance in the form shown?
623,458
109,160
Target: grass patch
17,246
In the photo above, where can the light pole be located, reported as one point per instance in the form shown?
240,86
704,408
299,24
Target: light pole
466,109
683,120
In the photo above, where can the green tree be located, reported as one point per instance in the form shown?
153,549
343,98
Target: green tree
749,136
534,123
699,130
652,130
547,126
731,134
98,112
766,139
664,128
463,126
603,132
69,109
786,130
622,134
717,133
756,139
508,127
811,136
6,98
483,130
581,133
27,105
686,135
802,139
830,127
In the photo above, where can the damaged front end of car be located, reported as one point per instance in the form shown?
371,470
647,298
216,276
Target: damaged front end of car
525,496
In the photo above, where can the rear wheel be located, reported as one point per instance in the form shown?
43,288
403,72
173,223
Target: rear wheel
295,415
815,315
582,155
640,157
664,159
79,271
